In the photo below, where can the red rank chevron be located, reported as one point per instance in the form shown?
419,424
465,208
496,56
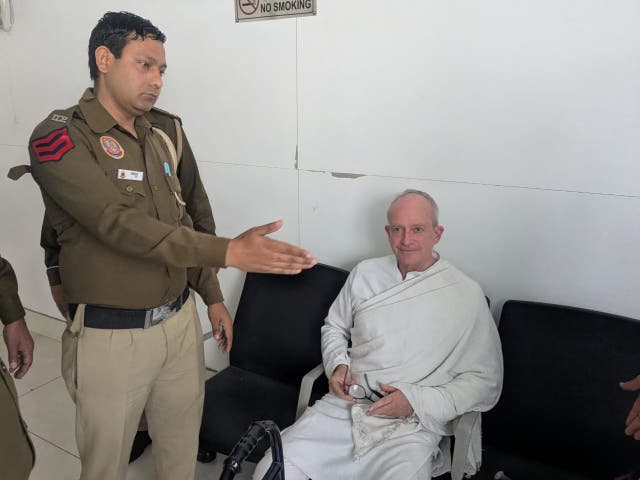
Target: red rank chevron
53,146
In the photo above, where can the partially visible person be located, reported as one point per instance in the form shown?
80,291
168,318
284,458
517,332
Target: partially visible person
408,346
633,419
17,455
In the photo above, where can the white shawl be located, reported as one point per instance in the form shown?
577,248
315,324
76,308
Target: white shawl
433,338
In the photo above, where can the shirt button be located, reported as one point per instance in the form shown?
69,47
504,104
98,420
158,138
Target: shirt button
129,188
156,187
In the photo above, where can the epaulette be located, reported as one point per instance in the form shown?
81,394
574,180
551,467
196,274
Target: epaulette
62,116
163,113
56,119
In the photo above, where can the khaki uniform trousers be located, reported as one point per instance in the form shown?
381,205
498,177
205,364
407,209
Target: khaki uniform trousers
16,451
113,375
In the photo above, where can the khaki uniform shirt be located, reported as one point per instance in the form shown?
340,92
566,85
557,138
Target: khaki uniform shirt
201,279
115,204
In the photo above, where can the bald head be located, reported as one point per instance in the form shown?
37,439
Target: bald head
419,193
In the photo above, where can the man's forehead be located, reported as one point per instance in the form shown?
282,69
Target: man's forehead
146,46
409,211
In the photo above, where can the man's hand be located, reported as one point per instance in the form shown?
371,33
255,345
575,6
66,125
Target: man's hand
58,298
20,347
395,404
252,251
633,419
222,325
340,381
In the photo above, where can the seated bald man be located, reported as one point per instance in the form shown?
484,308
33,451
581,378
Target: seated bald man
424,350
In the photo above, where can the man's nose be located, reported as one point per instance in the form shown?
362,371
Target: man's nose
156,80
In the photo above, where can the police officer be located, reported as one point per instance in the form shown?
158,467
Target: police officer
16,451
199,209
127,251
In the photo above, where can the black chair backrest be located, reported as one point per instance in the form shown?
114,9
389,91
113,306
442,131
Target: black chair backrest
277,325
561,402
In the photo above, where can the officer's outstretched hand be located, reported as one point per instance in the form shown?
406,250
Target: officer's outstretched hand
252,251
19,346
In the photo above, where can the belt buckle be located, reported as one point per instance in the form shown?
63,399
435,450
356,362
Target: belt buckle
157,315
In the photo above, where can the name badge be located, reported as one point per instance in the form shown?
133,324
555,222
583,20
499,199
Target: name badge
130,175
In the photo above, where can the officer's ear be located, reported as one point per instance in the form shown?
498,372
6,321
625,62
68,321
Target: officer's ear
104,57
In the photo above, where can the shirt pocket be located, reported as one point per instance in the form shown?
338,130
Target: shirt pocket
133,190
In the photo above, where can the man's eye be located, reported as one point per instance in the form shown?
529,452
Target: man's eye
418,229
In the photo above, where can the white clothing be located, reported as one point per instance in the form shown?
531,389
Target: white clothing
431,336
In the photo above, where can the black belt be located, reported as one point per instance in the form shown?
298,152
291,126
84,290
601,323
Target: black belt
124,318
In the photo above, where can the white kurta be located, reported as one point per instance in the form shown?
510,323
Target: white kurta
430,335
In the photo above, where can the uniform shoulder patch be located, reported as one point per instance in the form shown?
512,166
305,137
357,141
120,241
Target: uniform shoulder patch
56,117
157,113
53,146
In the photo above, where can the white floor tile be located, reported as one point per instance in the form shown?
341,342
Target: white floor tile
143,468
46,363
44,325
50,414
52,463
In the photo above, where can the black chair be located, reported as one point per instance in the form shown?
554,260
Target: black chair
276,343
562,414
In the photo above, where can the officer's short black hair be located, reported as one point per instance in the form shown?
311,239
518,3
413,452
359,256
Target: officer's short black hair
114,30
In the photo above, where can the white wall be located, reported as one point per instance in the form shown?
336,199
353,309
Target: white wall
520,117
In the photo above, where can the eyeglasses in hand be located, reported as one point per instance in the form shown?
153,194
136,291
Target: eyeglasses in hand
358,392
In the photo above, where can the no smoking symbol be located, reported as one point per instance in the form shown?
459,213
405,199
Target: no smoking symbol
248,7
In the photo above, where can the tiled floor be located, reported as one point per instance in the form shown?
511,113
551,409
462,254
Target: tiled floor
50,414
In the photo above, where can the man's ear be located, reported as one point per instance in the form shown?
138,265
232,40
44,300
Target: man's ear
387,229
439,231
104,58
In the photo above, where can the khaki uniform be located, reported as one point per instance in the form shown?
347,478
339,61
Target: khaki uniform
197,206
127,241
16,451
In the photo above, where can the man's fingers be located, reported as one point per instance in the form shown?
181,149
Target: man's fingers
633,428
336,388
289,255
255,253
634,413
14,357
265,229
24,367
387,388
379,406
631,385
